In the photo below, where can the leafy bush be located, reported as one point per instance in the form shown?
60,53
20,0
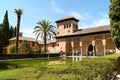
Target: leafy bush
36,51
11,49
92,68
25,47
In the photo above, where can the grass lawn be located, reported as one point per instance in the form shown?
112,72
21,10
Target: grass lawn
87,69
7,65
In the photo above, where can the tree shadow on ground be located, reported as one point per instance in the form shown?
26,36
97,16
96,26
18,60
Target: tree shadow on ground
6,66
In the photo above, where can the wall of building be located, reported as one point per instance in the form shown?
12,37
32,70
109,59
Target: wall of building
68,45
33,45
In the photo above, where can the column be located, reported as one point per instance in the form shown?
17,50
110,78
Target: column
104,44
93,43
72,44
81,47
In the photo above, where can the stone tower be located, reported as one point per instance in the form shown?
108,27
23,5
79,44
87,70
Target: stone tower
66,26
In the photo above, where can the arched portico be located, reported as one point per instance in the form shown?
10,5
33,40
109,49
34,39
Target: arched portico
90,50
93,45
110,46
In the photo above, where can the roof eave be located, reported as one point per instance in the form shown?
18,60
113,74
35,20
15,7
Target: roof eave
92,33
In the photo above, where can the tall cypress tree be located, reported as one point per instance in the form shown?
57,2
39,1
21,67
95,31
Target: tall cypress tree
114,15
0,31
0,38
5,29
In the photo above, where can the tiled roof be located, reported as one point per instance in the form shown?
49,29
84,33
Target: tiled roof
48,42
93,29
24,38
34,40
105,28
66,18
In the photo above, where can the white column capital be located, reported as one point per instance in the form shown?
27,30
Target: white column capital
93,43
80,44
104,42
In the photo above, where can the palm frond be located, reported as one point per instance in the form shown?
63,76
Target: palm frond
19,12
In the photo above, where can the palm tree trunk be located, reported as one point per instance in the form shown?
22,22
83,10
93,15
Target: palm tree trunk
45,42
17,33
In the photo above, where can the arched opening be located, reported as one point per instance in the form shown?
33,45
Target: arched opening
99,47
90,50
68,49
110,46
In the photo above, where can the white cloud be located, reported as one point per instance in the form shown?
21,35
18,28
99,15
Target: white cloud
56,7
100,22
103,21
77,15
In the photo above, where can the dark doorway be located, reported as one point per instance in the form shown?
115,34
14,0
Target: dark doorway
90,50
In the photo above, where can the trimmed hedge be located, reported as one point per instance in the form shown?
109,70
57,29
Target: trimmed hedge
21,56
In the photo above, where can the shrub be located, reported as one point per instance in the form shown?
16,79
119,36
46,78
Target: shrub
25,47
36,51
11,49
21,56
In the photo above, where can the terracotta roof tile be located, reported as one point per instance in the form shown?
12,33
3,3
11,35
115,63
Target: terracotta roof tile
93,29
24,38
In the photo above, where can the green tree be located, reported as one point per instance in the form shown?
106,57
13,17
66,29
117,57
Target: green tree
11,31
14,32
0,38
5,29
19,12
11,49
45,31
25,46
0,32
114,15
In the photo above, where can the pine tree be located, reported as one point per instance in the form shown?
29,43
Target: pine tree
114,15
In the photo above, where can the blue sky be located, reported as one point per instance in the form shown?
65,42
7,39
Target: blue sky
89,12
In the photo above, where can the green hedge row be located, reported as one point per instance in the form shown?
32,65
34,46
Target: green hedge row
21,56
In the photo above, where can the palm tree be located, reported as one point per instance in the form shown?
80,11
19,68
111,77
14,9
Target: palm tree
45,31
19,12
